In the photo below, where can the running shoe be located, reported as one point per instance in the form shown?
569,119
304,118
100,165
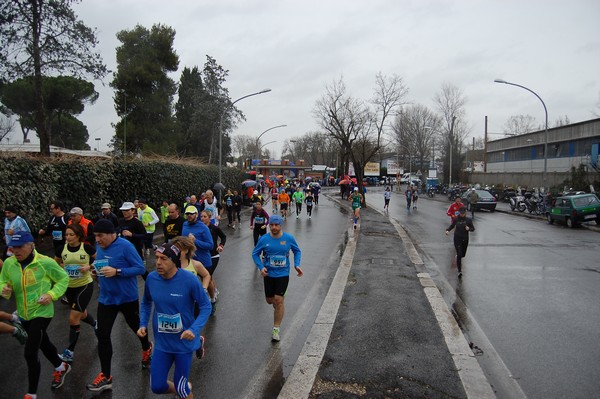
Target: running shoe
147,357
20,334
58,377
216,294
67,356
100,383
200,351
275,334
27,396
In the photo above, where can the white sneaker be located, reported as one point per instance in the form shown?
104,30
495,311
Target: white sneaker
275,334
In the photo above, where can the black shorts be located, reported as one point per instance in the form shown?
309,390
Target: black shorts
213,267
79,297
276,286
284,205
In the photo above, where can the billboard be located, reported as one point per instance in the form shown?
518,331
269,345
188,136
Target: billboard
372,169
393,168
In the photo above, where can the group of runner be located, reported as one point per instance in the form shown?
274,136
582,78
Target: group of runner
115,261
284,196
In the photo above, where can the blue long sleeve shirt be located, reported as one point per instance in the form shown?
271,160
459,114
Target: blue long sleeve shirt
203,240
121,254
173,301
276,253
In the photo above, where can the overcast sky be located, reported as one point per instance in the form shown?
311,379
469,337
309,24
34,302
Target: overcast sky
297,47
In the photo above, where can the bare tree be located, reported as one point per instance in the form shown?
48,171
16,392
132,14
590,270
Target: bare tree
6,126
450,102
414,132
358,128
520,124
562,121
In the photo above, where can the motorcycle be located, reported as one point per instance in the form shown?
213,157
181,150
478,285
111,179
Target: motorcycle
517,203
430,192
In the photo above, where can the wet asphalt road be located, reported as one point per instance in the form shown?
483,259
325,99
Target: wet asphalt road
529,293
241,361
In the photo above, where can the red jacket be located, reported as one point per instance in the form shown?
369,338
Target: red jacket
453,209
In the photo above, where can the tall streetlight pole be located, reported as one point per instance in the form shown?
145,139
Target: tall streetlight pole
221,128
546,128
97,143
260,135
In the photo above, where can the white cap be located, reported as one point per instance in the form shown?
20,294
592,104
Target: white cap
126,206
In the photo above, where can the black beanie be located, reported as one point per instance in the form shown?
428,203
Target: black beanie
104,226
172,252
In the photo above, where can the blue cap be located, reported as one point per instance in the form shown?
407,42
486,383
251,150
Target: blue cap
20,238
275,219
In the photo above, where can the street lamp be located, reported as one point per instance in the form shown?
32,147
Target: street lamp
97,143
221,128
260,135
546,126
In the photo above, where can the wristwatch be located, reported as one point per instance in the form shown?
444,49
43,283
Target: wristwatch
118,272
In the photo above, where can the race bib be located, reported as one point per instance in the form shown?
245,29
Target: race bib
169,324
277,260
99,264
259,220
228,202
73,271
57,235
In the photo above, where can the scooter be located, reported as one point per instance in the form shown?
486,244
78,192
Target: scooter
517,203
430,192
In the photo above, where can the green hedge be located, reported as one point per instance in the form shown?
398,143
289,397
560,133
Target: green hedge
31,184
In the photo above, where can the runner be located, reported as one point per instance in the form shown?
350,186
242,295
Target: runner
259,220
86,224
56,228
11,324
211,204
173,223
37,281
415,196
76,259
274,267
12,223
310,200
463,225
274,197
200,233
176,331
187,248
387,195
229,200
453,209
215,254
284,200
149,219
237,203
117,265
298,198
408,195
356,199
131,228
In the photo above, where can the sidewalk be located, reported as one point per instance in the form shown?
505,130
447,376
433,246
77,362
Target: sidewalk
384,330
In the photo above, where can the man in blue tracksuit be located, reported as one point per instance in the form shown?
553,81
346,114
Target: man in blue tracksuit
173,292
198,231
117,266
275,267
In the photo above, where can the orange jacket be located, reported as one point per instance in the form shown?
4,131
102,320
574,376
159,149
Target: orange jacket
284,197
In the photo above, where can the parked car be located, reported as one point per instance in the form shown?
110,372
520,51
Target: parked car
486,200
407,177
575,209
